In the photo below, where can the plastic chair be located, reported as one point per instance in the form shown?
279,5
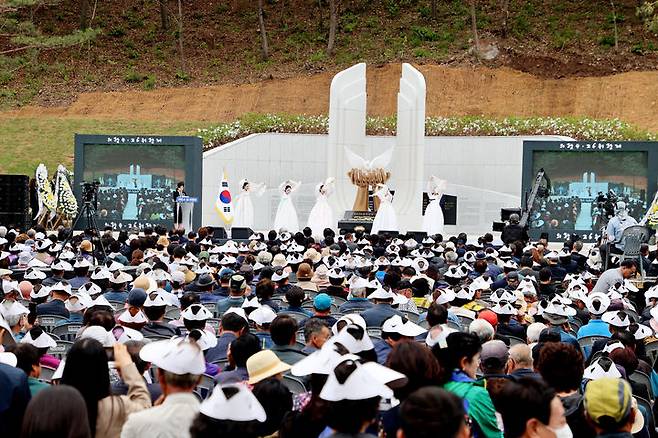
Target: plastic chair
633,237
48,322
67,332
300,337
46,373
642,379
205,386
465,321
61,349
651,349
295,385
172,313
411,316
513,340
117,305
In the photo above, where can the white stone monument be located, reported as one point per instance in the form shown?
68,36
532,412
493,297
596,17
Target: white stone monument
347,129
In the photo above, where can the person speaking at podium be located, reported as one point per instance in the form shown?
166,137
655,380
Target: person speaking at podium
180,191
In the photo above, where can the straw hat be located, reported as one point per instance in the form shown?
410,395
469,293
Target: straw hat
264,364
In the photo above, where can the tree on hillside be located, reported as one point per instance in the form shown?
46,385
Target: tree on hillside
164,14
264,49
474,27
25,36
334,6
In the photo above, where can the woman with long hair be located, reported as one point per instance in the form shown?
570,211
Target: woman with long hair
57,411
87,371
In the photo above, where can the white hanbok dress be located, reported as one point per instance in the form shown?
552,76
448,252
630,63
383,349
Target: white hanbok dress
385,219
286,214
433,219
322,216
244,207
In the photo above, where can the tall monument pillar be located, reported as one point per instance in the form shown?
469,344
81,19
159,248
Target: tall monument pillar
407,172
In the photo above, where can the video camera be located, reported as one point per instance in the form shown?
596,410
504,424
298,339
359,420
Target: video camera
90,191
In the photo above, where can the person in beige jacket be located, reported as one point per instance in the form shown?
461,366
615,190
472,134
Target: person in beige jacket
88,371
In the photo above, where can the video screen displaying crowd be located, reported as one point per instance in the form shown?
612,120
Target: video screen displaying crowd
177,334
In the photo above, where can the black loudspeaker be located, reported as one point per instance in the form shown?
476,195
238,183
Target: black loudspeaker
14,194
218,234
417,235
20,220
241,233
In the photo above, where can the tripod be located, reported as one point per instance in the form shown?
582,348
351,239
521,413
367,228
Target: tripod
89,213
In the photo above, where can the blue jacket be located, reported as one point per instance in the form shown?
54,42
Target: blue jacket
218,352
14,397
377,314
76,282
119,296
355,304
383,350
54,307
224,304
595,327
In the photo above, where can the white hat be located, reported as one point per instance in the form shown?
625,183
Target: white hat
158,275
510,264
357,282
250,303
137,318
602,367
34,263
41,245
155,299
420,265
395,324
381,294
124,334
463,293
205,341
615,345
82,262
196,312
43,340
34,274
428,241
178,277
503,295
119,277
360,384
10,286
13,308
352,318
101,301
652,292
617,318
445,296
177,356
556,308
336,273
113,266
238,311
8,359
640,331
321,361
78,302
100,273
504,308
242,406
90,288
478,284
100,334
61,286
280,275
354,338
262,315
61,265
597,303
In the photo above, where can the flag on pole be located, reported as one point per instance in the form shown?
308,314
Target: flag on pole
224,203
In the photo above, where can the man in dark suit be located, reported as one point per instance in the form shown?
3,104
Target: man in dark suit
60,292
180,191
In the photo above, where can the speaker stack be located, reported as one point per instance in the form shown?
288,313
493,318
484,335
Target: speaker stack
14,201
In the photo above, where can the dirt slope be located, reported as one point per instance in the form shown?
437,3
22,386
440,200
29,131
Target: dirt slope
451,91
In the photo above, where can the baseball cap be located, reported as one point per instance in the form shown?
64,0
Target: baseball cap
608,401
238,282
489,316
494,354
136,297
322,302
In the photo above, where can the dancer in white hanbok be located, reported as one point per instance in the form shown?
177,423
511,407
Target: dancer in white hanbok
244,208
286,215
322,216
385,219
433,219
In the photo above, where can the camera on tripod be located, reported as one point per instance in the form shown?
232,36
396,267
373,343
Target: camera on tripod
90,191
